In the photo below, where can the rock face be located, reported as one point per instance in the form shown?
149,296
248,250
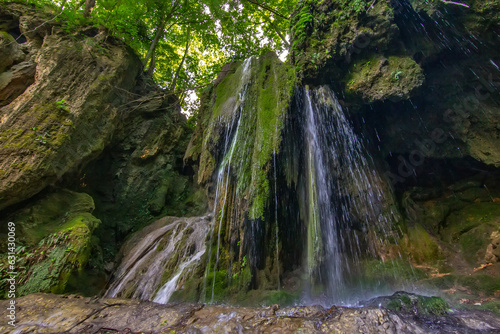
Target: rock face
174,261
241,121
384,52
41,313
68,114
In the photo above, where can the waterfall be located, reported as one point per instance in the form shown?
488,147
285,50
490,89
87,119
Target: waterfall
224,173
344,193
169,245
297,203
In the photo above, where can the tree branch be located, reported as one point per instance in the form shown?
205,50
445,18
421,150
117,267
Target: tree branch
276,30
269,9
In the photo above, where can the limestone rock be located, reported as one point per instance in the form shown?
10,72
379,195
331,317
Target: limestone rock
15,81
10,52
67,116
493,250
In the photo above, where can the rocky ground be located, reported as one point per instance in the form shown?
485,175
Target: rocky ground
47,313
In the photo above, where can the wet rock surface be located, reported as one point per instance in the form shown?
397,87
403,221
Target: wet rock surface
45,313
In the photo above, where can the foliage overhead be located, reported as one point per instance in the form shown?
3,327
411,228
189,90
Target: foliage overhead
184,43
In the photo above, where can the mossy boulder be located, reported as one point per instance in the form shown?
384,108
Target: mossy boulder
420,246
259,96
470,229
240,126
54,240
328,35
413,304
377,79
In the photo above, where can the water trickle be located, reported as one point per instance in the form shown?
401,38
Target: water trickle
223,175
164,294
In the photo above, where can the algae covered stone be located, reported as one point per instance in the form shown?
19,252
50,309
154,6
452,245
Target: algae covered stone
54,241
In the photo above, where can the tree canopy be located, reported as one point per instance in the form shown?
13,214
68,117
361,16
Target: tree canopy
184,43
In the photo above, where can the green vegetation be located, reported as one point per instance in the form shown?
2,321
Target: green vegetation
182,43
389,274
420,246
418,305
471,228
263,109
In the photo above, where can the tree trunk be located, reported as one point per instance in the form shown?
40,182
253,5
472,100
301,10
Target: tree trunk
177,73
159,34
89,5
276,30
152,64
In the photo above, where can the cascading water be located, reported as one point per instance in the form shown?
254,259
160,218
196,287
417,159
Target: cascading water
343,193
169,245
322,204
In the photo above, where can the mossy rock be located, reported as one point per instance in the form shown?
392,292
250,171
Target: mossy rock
10,53
328,35
47,215
55,240
389,274
475,285
420,246
471,228
268,86
409,303
378,78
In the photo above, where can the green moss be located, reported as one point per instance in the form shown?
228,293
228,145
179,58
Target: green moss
415,304
493,306
52,214
219,286
56,238
480,283
476,284
251,109
48,128
268,91
471,228
470,217
389,274
226,94
378,78
420,246
434,305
